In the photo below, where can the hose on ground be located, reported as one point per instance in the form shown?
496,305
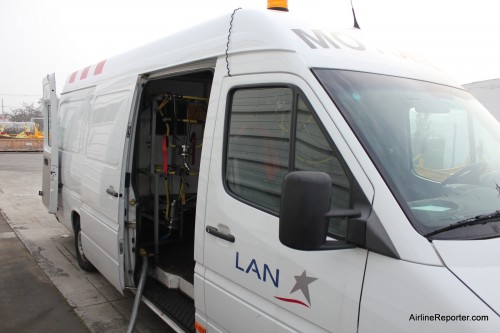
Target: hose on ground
138,294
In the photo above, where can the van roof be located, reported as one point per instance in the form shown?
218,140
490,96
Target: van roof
254,31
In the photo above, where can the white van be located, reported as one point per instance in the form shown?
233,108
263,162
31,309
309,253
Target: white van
281,178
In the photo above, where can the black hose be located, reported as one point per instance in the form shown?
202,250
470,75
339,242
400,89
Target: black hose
140,290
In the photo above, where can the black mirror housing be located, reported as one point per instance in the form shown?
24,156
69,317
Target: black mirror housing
305,201
305,210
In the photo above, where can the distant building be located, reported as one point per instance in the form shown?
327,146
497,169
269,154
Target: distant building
488,93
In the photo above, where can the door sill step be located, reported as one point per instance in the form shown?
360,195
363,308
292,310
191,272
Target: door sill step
173,306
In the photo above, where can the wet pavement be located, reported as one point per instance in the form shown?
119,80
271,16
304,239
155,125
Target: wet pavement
28,300
42,289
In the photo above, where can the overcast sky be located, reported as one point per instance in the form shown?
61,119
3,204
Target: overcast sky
39,37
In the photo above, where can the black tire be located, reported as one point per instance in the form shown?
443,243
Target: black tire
83,262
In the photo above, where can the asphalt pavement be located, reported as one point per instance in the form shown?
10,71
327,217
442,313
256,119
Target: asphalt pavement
42,289
28,300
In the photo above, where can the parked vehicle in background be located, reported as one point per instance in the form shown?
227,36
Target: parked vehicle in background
20,136
488,93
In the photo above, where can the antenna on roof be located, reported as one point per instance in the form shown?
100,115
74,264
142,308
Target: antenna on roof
356,25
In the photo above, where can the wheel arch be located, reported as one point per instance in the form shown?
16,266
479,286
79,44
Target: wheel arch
75,219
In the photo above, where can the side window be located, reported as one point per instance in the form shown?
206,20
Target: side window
314,152
47,114
70,126
48,131
258,149
258,144
105,136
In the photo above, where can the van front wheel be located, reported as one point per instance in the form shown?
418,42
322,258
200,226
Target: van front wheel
83,262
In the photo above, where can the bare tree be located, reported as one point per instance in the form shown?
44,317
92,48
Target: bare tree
25,113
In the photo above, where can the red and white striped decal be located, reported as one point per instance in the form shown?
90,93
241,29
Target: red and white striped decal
86,72
99,67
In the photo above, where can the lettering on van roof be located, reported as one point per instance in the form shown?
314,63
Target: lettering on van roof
317,40
98,69
335,39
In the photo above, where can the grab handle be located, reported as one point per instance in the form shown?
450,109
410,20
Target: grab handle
111,191
215,232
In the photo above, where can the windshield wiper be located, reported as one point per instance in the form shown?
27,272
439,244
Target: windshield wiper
480,219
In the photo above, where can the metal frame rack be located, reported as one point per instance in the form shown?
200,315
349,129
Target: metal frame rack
177,148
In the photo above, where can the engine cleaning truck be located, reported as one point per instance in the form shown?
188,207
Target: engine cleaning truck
255,174
21,136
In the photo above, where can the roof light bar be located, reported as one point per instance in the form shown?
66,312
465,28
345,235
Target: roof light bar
278,5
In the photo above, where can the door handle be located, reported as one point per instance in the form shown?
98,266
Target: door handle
214,231
111,191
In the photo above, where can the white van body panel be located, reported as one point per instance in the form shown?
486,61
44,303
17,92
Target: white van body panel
102,181
93,124
397,294
73,117
476,264
252,277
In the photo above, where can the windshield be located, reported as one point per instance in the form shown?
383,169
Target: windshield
436,147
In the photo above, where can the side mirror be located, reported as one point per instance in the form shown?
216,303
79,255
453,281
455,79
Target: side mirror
305,210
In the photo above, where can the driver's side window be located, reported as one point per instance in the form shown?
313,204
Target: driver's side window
272,130
314,152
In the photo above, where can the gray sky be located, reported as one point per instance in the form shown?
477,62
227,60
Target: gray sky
39,37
